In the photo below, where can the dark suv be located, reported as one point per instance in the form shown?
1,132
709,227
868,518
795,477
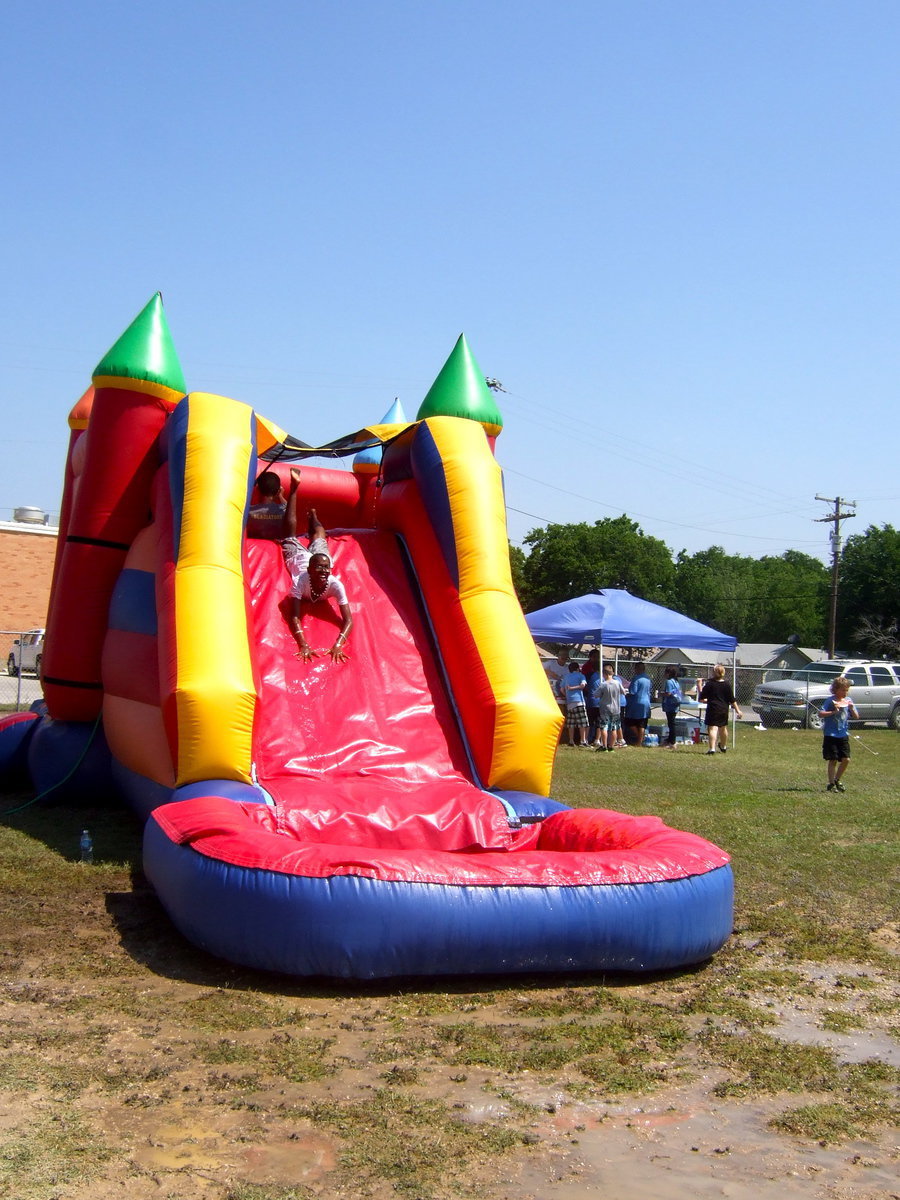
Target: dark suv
875,690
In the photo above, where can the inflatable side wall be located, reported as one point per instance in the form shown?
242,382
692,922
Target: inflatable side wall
443,493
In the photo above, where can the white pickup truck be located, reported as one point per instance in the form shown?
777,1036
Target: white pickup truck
875,693
25,655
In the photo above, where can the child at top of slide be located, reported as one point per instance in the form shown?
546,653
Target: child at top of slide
275,517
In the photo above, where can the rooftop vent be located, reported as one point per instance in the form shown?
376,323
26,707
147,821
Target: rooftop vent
30,516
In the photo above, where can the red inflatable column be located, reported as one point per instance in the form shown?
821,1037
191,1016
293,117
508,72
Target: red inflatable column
78,423
136,385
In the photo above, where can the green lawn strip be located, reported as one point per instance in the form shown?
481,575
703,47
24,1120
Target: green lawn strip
764,1065
51,1151
236,1009
289,1056
269,1191
417,1144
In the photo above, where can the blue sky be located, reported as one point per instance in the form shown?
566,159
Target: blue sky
669,229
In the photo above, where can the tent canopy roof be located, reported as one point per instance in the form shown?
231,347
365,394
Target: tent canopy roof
613,617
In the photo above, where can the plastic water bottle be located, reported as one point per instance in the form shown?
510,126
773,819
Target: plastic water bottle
87,847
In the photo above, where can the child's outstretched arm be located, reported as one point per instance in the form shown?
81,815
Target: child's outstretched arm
289,521
304,649
337,650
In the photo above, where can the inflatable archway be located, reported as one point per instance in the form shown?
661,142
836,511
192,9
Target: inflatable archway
384,816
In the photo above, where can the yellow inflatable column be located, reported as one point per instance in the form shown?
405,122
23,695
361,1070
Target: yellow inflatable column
215,697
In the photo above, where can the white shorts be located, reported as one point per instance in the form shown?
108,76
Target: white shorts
297,556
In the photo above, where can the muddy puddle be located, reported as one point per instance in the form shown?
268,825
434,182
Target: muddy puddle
683,1148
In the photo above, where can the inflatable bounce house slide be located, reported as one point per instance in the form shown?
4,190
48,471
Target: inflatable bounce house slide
385,815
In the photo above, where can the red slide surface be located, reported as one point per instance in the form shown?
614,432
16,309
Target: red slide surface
366,752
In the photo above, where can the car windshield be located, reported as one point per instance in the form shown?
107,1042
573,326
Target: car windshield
822,672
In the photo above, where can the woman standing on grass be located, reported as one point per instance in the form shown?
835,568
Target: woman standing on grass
719,698
671,702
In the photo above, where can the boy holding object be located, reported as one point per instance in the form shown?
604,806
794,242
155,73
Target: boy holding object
838,711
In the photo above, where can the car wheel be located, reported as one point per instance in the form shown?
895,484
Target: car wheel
37,666
771,720
813,719
893,720
11,667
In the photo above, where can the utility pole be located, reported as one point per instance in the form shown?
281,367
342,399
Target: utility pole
835,519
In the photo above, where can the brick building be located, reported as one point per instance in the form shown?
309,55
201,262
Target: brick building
27,551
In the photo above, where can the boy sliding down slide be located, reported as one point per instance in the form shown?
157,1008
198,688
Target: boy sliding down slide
311,577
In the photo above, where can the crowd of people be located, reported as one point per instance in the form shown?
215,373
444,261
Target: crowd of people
603,711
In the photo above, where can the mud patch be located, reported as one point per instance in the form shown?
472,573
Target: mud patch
176,1139
684,1148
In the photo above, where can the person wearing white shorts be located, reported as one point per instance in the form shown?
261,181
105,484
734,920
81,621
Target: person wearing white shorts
311,579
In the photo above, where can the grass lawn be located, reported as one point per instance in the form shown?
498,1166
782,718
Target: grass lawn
818,866
130,1063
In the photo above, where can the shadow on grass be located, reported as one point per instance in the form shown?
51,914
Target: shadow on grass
149,938
116,834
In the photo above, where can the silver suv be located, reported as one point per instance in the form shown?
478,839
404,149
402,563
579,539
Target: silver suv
26,652
875,691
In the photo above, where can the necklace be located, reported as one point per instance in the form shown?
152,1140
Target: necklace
315,596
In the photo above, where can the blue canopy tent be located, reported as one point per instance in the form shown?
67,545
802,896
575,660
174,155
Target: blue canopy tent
613,617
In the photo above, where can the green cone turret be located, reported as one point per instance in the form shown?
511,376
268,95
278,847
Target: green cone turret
145,351
460,391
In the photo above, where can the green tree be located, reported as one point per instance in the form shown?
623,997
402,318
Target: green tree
517,567
755,600
792,599
571,560
717,589
868,603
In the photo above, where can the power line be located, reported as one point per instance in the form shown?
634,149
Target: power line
727,484
835,519
618,508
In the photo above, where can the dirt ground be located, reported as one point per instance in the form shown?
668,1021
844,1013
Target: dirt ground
176,1128
132,1064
